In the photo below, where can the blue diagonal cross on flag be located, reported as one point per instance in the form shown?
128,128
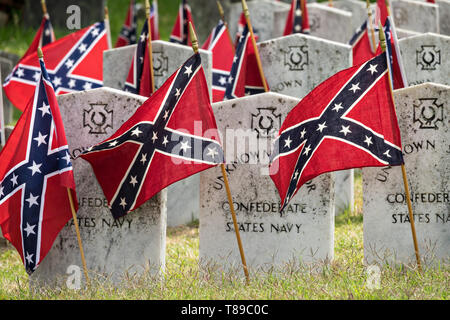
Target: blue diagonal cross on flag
348,121
150,151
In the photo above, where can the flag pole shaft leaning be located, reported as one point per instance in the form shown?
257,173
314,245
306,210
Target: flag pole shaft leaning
405,178
150,53
225,179
372,30
222,16
330,3
44,7
252,35
72,207
108,28
77,229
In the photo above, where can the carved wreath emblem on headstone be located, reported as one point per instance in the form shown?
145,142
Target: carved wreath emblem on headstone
428,113
97,118
266,122
296,58
160,64
428,57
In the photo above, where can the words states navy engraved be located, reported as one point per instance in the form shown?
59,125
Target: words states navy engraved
296,58
97,118
428,57
428,112
266,121
160,64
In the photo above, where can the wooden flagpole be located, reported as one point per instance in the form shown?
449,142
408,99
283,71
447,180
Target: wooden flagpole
108,28
258,59
222,16
149,42
405,178
44,7
72,208
225,179
330,3
370,26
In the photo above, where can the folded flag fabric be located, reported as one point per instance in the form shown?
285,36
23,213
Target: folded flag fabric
43,37
244,76
139,77
222,51
127,34
348,121
180,31
361,46
398,74
74,63
35,172
297,20
171,136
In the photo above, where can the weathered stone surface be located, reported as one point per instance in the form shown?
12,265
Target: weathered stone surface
423,113
303,233
330,23
7,63
130,244
356,7
262,16
403,33
91,11
416,16
296,64
444,16
426,58
344,191
167,58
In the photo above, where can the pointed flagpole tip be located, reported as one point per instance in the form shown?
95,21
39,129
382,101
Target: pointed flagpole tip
147,8
382,37
40,53
245,8
194,40
221,12
44,7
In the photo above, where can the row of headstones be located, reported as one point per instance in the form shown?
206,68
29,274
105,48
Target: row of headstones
303,233
306,230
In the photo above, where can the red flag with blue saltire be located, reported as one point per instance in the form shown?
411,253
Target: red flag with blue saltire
348,121
297,20
139,77
361,46
244,78
44,36
127,34
35,172
154,20
171,136
74,63
393,49
222,51
180,32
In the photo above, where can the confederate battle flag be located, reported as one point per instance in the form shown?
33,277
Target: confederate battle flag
35,174
348,121
171,136
74,63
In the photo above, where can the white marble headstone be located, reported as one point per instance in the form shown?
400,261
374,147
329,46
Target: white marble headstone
183,196
303,233
444,16
423,112
416,16
404,33
262,16
426,58
330,23
356,7
133,243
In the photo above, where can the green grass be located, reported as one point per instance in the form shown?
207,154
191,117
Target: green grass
344,278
